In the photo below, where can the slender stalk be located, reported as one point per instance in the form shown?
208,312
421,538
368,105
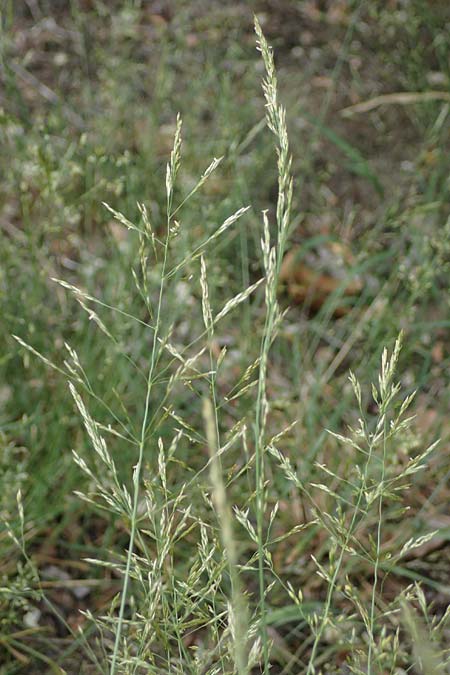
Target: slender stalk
377,560
172,169
138,468
383,399
332,583
273,256
228,540
210,417
259,468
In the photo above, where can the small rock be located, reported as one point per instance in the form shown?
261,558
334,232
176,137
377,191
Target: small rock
31,618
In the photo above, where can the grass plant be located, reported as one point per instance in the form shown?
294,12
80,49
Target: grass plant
245,507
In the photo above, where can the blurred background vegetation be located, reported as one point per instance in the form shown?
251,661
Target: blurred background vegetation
88,101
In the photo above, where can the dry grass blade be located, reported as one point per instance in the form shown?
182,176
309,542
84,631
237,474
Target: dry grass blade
399,98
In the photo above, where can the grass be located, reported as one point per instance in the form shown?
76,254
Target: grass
237,504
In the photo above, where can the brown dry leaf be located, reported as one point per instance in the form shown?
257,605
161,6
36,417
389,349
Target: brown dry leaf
312,278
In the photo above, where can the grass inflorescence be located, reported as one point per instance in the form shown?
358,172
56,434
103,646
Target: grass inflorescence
239,497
